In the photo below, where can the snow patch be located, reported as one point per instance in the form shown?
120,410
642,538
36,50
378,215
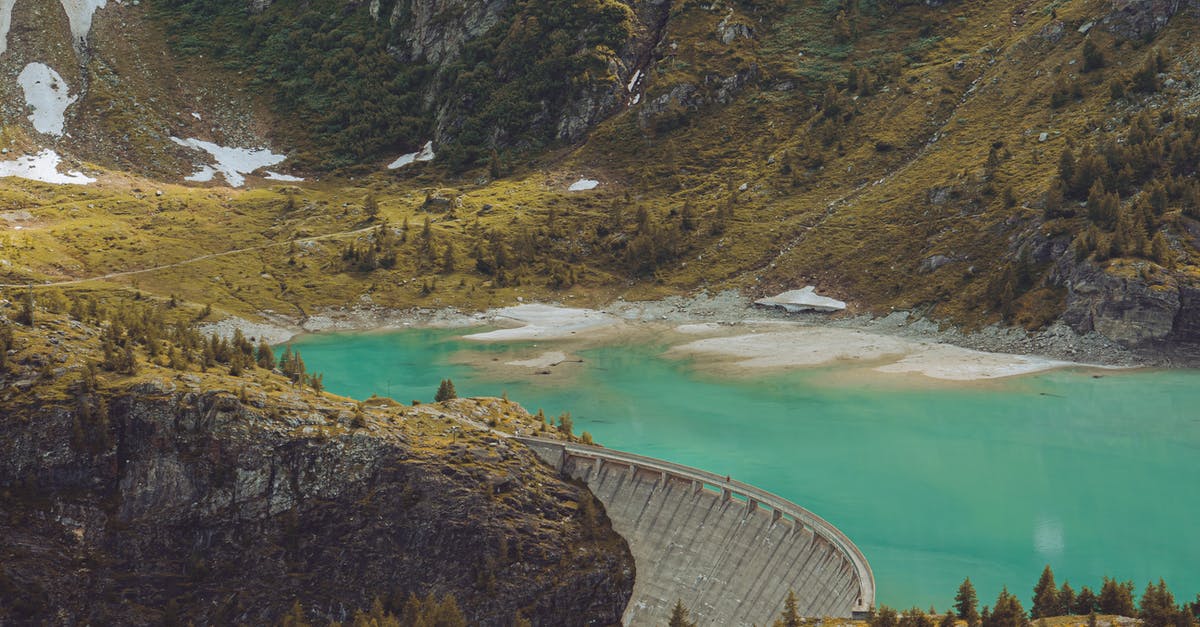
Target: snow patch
195,115
6,7
42,167
275,176
49,96
637,98
79,12
231,163
805,299
425,154
583,185
633,81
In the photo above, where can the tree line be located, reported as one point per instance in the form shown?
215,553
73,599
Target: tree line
1157,607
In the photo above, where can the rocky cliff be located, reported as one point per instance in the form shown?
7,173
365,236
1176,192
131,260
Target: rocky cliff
162,498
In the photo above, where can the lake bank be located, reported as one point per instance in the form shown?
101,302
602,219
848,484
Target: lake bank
898,343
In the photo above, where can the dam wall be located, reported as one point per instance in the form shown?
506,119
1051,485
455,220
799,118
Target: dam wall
731,552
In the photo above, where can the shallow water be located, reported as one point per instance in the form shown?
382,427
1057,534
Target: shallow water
1094,476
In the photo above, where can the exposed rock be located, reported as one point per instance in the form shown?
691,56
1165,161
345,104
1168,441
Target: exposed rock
435,31
1127,308
931,264
730,29
230,514
1140,18
686,97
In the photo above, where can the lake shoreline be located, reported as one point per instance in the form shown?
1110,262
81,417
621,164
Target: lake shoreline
913,344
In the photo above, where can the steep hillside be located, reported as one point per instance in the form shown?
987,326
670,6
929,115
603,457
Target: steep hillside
975,162
150,479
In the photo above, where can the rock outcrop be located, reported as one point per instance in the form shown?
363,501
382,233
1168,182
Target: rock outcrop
1126,307
162,502
435,31
1141,18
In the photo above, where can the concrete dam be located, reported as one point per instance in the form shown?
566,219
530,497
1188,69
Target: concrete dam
729,551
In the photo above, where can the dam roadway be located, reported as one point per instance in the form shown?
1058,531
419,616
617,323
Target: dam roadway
731,552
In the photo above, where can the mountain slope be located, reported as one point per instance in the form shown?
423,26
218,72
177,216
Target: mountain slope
180,485
929,156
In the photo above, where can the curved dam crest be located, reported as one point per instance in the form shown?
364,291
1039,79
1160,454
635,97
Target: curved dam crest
731,552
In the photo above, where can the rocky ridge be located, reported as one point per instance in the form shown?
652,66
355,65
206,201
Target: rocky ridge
167,497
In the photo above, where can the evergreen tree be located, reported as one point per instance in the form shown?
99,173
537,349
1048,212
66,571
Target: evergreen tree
445,391
679,616
1085,602
1066,599
565,424
1158,605
884,617
25,314
915,617
264,357
371,206
1008,612
1116,598
295,617
791,614
966,603
948,620
1045,596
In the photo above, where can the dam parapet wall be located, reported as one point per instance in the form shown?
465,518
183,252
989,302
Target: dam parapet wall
730,551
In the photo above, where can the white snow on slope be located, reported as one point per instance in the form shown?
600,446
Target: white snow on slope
79,12
49,96
583,185
232,163
633,80
425,154
6,7
275,176
42,167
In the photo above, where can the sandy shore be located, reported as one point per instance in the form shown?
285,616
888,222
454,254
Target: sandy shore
544,322
806,347
726,332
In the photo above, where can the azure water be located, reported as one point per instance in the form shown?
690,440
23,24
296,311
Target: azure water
1094,476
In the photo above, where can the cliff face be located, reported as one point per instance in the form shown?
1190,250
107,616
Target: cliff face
167,501
1130,303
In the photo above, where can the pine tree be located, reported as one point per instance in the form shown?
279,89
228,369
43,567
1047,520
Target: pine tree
264,357
1085,602
1158,605
1008,611
295,617
791,614
966,603
371,207
1045,596
445,391
1116,598
884,617
565,424
915,617
679,616
1066,599
1160,252
948,620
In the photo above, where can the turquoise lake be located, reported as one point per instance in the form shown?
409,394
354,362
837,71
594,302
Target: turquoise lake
1093,475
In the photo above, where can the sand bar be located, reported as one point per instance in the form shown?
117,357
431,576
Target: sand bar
817,346
544,322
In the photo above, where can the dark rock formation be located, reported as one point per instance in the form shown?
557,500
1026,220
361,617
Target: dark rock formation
1126,307
1141,18
161,502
